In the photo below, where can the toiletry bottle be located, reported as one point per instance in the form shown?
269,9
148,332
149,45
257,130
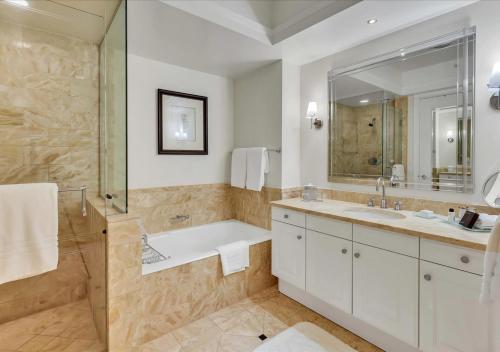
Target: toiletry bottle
451,215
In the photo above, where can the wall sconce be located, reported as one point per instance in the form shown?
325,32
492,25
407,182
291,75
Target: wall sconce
312,114
494,86
449,136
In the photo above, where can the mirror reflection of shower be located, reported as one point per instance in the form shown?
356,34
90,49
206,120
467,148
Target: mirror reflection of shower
372,123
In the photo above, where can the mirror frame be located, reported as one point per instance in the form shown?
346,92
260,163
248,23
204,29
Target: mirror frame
468,184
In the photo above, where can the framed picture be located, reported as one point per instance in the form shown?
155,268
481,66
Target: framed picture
182,123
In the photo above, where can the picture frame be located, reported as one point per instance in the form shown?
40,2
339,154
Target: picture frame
182,123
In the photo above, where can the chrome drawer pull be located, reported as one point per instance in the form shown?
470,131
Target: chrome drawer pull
465,259
427,277
344,251
357,255
285,216
299,237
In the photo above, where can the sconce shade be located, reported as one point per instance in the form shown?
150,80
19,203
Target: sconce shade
312,110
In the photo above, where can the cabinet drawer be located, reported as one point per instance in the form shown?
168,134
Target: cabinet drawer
453,256
391,241
330,226
289,216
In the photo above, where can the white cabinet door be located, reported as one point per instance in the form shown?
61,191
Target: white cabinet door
289,253
329,269
451,317
385,291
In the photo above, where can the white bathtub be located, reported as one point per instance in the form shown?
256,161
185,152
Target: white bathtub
195,243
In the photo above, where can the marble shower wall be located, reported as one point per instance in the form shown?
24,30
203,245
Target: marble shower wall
49,133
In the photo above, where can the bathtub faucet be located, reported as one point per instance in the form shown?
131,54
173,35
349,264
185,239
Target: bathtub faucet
180,218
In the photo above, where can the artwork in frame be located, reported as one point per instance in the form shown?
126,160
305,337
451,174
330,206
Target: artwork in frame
182,123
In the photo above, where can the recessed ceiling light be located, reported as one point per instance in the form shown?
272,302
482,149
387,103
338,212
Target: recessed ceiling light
372,21
364,101
22,3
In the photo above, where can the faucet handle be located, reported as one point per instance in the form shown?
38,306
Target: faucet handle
397,205
371,202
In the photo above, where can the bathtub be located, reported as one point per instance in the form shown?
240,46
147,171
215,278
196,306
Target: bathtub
194,243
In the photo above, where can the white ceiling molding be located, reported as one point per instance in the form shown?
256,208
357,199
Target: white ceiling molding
214,12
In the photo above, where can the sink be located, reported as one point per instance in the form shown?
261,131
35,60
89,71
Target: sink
375,214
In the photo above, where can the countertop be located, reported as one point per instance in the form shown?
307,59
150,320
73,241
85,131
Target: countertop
433,229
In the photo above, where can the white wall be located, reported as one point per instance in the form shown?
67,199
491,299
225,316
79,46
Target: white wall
291,173
487,124
257,114
148,169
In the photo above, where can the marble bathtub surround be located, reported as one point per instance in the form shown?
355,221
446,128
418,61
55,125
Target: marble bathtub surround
237,327
410,225
143,308
49,133
158,207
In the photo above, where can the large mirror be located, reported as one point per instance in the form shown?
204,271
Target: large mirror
407,114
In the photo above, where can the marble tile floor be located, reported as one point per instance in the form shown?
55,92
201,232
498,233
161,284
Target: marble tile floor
68,328
237,327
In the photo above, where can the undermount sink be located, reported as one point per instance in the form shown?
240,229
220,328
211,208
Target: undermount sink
376,214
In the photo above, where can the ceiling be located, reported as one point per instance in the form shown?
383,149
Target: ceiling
231,38
83,19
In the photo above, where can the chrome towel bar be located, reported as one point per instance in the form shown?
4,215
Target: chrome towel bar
83,190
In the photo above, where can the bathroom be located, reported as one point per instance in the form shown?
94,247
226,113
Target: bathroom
249,175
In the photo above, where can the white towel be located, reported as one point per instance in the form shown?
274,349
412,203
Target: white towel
257,166
234,256
490,290
28,230
485,221
239,168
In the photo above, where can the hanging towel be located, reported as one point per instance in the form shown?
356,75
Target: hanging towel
28,230
235,257
257,167
239,168
490,290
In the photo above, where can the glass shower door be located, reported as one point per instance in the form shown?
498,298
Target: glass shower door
113,114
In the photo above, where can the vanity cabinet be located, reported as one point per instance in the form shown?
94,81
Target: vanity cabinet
289,253
451,317
385,291
329,269
416,292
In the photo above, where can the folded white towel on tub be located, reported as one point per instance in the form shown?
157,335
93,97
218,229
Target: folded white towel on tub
235,257
28,230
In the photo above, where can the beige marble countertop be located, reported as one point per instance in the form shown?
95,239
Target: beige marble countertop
434,229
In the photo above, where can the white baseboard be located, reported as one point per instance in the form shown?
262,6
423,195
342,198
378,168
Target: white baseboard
373,335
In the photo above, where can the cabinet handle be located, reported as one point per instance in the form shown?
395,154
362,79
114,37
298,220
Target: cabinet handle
464,259
299,237
285,216
357,255
344,251
427,277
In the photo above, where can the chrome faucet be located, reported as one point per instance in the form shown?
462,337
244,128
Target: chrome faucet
380,181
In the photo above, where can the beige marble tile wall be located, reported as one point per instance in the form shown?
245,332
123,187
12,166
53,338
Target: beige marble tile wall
94,254
48,133
142,308
253,207
408,203
158,207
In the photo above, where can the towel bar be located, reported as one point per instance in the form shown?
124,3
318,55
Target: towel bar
83,189
276,150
